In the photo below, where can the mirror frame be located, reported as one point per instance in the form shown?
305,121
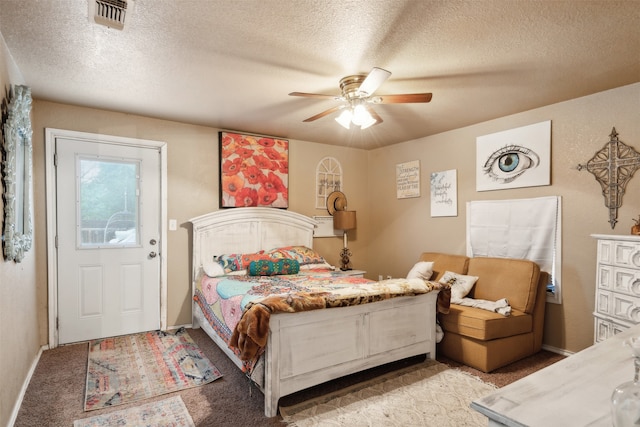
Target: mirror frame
17,235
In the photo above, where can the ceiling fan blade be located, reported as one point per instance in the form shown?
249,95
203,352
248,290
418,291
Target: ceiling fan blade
324,113
372,82
402,99
315,95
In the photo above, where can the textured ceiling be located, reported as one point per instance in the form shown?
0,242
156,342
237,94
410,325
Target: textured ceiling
231,64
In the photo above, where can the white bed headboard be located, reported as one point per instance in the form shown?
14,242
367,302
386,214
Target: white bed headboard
247,230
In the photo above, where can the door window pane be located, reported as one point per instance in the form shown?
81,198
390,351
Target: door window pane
108,202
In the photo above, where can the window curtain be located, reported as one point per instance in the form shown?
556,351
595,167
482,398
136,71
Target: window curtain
521,228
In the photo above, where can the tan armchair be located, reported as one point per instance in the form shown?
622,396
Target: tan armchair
483,339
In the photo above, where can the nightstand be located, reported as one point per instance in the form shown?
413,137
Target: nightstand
354,273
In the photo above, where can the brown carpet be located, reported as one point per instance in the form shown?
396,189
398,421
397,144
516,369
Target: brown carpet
56,392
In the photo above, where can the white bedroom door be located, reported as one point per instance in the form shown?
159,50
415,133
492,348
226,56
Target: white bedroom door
108,228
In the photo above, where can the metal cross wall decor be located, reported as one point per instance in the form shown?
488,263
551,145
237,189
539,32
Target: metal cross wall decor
613,166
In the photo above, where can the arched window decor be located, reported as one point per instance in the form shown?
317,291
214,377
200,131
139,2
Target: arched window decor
328,180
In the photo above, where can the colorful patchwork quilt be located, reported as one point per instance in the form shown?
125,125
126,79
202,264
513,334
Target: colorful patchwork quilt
239,306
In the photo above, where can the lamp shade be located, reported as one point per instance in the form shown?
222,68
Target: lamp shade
344,220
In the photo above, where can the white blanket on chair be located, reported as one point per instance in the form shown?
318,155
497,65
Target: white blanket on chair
501,306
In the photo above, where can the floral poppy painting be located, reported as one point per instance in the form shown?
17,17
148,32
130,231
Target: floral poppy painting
254,171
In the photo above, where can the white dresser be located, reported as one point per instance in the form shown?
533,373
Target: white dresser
617,285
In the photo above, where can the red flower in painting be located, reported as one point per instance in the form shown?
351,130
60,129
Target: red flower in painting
266,198
232,167
253,174
246,140
272,154
232,184
266,142
228,139
244,152
247,197
272,183
283,167
263,162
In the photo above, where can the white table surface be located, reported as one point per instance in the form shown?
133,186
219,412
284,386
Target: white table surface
575,391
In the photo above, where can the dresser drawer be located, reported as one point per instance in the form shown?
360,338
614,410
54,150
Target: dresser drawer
618,306
606,328
618,279
619,253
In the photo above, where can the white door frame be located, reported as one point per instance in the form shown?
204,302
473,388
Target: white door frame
52,254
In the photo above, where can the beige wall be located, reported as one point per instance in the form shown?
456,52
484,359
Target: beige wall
19,340
192,173
401,229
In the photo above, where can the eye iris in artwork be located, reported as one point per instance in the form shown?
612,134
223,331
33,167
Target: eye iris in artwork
508,162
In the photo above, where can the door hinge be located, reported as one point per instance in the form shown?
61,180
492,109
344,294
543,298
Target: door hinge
56,241
57,323
55,159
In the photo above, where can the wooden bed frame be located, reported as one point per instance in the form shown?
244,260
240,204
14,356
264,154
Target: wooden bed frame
308,348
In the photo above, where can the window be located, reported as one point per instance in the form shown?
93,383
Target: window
108,202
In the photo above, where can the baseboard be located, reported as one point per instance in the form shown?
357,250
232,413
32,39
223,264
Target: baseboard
25,384
557,350
174,327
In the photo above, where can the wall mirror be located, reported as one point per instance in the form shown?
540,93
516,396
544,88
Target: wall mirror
17,230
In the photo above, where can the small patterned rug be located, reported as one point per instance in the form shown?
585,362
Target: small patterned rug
429,394
169,412
128,368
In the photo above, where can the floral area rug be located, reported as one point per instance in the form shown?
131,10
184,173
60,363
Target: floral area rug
429,394
128,368
169,412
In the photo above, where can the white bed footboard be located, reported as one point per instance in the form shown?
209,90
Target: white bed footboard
309,348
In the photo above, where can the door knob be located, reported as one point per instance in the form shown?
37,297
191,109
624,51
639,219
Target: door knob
152,254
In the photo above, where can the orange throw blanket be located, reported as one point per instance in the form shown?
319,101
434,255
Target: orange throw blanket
251,333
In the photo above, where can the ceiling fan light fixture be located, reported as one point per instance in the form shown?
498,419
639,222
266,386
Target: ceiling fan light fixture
345,118
360,115
368,122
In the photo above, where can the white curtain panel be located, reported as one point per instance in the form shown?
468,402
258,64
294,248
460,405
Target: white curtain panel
520,228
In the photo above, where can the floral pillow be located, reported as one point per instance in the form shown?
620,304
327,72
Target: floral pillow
302,254
266,267
238,262
460,285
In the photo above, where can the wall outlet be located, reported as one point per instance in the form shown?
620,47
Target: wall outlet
379,277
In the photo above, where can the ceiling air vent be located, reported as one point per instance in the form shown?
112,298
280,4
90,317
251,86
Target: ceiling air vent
108,12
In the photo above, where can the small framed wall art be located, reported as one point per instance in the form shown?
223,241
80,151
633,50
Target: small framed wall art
254,171
444,193
408,179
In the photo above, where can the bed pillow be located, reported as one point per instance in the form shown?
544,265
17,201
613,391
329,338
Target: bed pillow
266,267
213,269
302,254
238,262
421,270
320,266
460,284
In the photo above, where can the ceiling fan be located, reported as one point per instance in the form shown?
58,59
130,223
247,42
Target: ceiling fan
357,97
